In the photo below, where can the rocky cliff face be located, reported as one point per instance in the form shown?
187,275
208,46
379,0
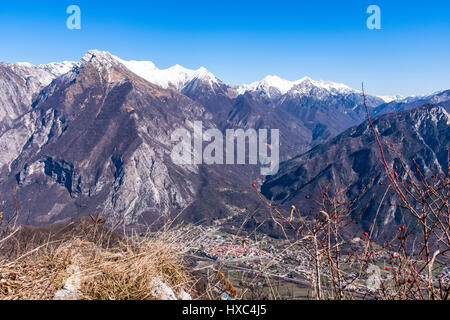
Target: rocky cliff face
98,138
312,111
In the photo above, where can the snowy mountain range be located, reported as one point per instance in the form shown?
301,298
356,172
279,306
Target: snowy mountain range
178,77
94,136
351,162
315,100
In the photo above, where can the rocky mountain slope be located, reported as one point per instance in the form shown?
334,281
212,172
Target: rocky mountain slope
302,110
350,162
95,136
98,138
20,82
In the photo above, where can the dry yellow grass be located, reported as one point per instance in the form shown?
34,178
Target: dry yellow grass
130,272
125,271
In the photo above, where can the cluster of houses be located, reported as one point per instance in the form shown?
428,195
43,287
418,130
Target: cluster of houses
232,251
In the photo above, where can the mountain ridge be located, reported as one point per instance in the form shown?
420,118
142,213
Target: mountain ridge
178,76
349,164
97,138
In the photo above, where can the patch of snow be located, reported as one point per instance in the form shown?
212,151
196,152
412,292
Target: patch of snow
57,69
43,73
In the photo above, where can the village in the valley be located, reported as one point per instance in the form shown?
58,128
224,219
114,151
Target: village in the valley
269,258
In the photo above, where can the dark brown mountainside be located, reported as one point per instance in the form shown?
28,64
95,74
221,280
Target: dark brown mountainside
351,162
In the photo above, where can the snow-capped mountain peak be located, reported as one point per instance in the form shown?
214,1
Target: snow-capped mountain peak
276,82
58,68
203,74
174,77
102,60
274,85
43,74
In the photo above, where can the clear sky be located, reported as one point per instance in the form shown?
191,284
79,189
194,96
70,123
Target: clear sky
243,41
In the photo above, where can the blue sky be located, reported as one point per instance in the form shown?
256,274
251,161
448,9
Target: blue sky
243,41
